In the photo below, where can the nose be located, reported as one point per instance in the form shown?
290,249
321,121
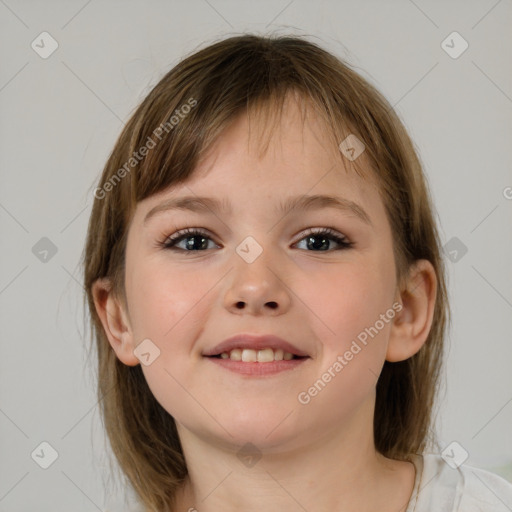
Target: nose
257,288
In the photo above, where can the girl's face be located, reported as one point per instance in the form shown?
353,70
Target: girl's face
258,269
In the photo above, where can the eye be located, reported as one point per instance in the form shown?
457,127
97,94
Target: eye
316,239
195,239
319,239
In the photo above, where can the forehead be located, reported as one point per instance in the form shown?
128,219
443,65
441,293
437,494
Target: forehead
267,155
291,148
290,124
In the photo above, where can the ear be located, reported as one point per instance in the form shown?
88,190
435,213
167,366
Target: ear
115,321
412,323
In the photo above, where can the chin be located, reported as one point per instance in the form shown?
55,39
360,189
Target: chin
268,429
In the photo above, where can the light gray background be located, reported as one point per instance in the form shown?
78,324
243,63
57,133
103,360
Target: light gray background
60,117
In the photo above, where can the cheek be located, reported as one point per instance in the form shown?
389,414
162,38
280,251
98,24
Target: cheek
354,340
169,307
163,298
350,299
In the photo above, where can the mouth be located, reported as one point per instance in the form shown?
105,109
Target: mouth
266,355
256,355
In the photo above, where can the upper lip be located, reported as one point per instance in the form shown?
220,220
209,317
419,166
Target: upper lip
254,342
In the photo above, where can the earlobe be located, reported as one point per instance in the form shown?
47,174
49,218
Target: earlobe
412,324
115,321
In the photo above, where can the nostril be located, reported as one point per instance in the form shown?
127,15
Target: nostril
241,305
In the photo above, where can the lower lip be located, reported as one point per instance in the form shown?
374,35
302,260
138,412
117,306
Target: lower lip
257,369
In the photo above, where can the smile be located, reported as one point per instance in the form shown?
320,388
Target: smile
257,363
266,355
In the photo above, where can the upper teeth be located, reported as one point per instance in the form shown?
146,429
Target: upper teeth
249,355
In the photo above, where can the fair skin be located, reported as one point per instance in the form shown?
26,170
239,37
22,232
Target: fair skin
316,456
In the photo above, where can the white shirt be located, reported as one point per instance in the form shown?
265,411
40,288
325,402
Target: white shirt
440,488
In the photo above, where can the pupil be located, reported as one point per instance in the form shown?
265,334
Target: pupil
190,242
314,242
323,242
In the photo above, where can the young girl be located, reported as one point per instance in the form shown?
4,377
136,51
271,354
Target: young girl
267,294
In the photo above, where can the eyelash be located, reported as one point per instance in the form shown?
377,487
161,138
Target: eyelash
171,241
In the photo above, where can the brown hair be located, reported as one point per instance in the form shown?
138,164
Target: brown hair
219,82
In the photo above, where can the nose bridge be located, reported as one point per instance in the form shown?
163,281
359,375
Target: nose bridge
254,284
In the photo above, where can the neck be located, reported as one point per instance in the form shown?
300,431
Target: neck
340,471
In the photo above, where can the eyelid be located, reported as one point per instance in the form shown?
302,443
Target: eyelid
170,242
182,233
309,231
321,230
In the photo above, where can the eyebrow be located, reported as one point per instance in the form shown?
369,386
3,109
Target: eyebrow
305,202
